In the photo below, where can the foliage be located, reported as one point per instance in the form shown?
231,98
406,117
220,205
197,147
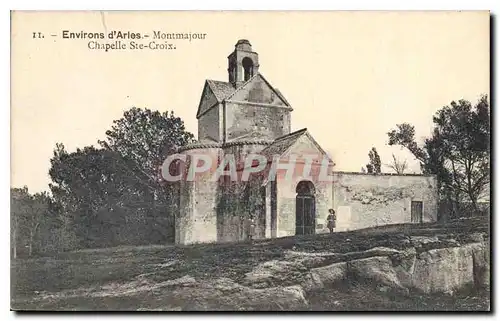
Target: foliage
113,194
457,151
374,166
33,223
146,137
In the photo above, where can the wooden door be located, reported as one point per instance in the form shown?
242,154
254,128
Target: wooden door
305,215
416,211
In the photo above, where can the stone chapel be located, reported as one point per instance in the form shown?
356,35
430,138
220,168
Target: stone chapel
246,114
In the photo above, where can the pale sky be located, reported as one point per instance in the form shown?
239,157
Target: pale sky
350,76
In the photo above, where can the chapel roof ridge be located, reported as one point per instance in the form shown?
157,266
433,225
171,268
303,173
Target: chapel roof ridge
297,132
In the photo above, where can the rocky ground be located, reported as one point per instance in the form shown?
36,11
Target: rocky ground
421,267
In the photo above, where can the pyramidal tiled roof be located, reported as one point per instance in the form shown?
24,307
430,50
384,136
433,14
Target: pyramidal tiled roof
221,89
281,144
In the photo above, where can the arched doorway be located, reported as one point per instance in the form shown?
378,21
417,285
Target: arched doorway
305,208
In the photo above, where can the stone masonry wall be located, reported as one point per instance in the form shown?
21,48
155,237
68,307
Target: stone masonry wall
286,200
208,125
237,200
258,91
197,219
242,119
231,212
286,197
365,200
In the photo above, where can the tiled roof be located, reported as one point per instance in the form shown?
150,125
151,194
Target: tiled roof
281,144
221,89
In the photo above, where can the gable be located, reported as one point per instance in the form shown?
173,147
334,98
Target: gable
303,146
282,144
209,125
258,90
207,100
298,143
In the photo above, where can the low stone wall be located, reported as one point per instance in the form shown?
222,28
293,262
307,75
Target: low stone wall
366,200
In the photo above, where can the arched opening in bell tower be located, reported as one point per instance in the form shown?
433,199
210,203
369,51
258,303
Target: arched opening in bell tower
247,68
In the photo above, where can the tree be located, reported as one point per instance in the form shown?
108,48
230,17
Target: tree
457,152
374,166
144,138
28,214
147,137
398,166
113,193
85,183
19,199
39,208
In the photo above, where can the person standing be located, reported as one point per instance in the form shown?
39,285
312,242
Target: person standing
251,229
331,220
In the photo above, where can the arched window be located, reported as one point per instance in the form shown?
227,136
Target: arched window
247,68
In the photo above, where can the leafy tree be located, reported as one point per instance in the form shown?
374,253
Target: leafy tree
113,194
29,213
457,152
374,166
146,137
85,183
19,209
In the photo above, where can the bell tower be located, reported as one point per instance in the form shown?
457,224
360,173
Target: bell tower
243,63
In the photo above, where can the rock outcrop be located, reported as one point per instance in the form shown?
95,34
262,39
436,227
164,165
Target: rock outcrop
430,264
225,294
325,276
427,265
